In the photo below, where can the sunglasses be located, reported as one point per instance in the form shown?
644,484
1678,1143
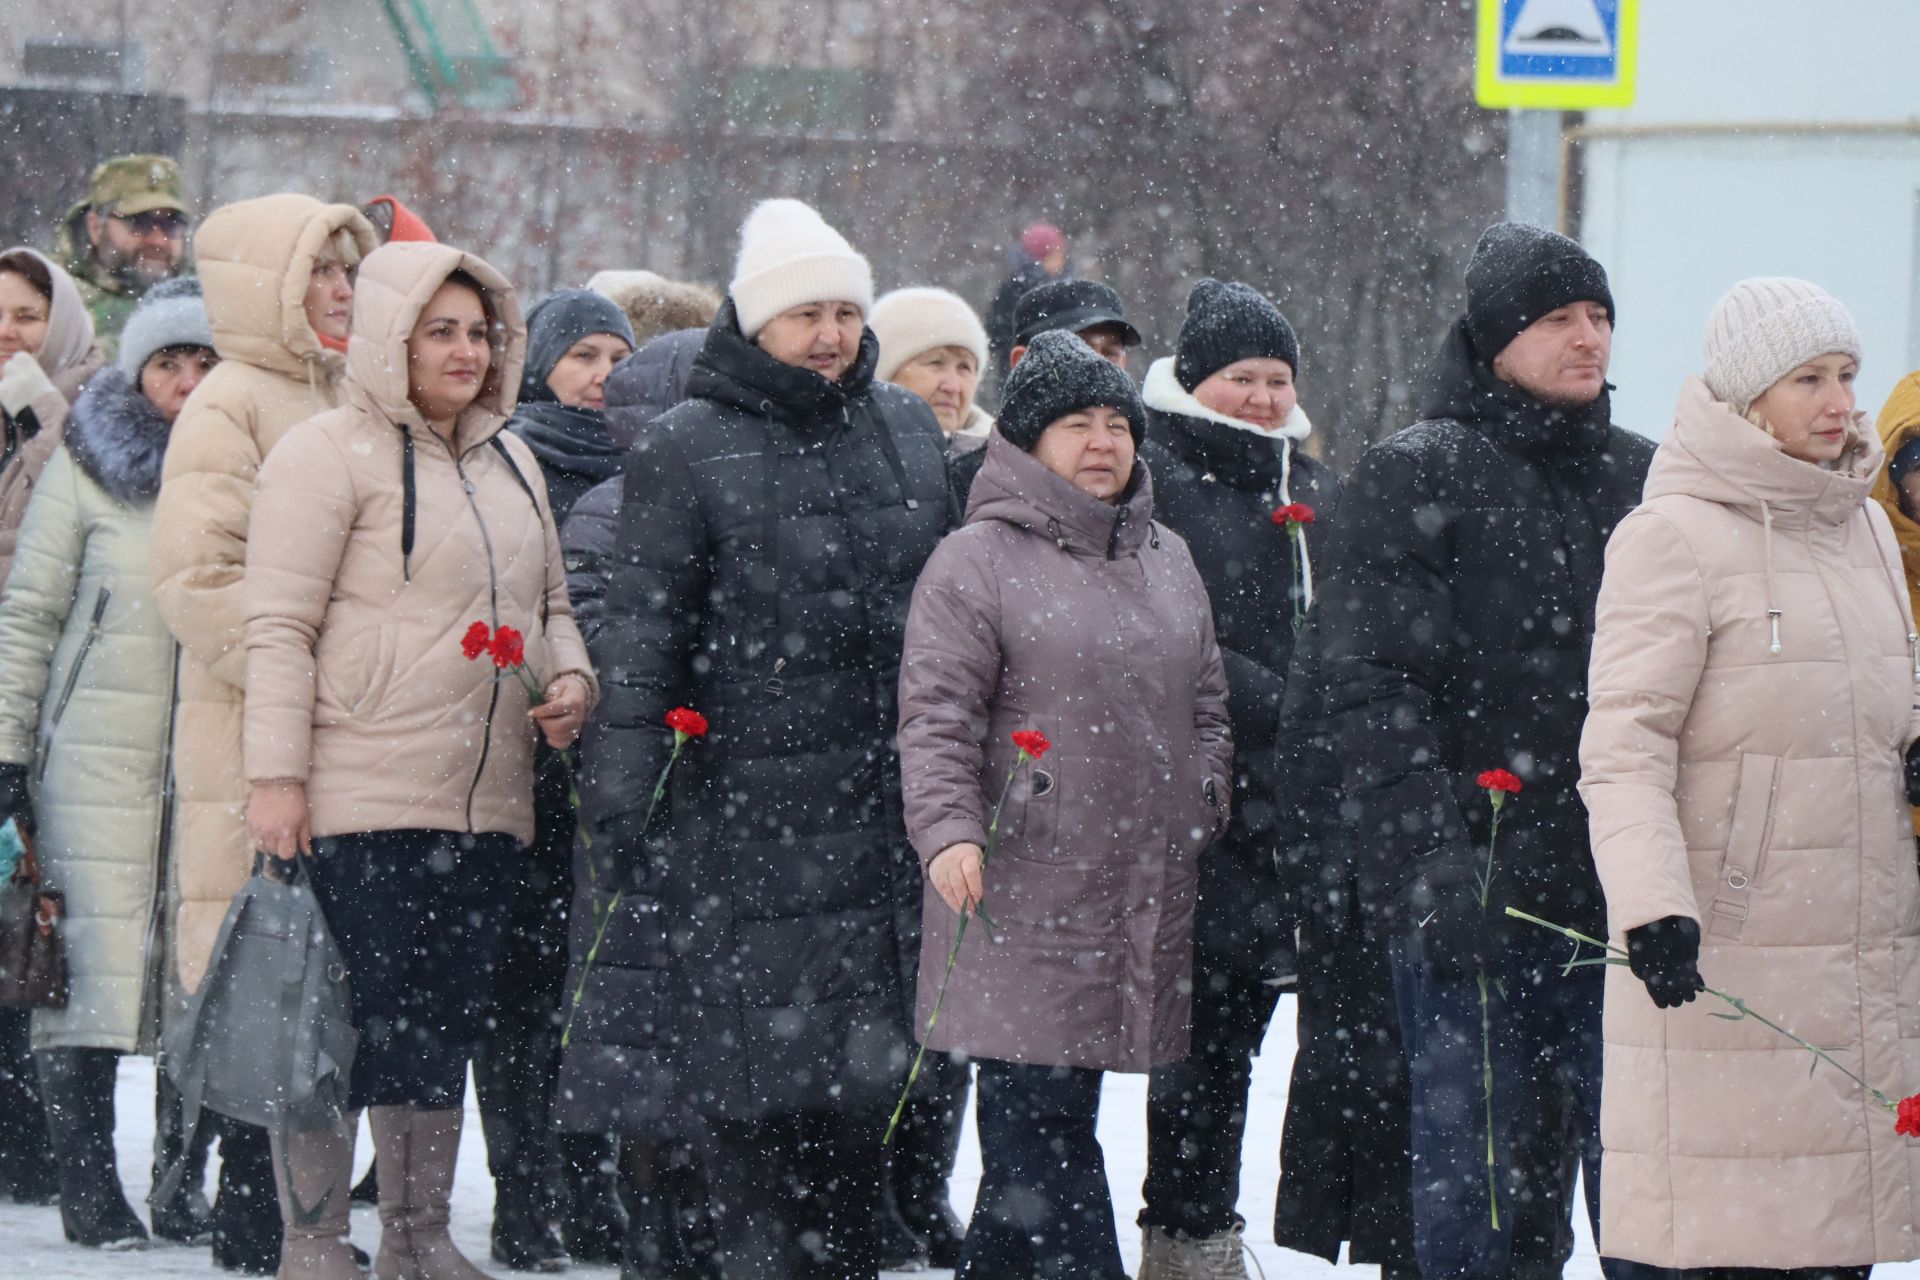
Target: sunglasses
165,221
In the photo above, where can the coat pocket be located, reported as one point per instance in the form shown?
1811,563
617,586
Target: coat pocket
1030,827
1748,836
72,682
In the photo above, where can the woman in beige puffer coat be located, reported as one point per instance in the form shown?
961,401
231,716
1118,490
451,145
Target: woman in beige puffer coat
1752,695
382,532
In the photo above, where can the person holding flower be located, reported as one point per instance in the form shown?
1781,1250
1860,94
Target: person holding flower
1060,607
1753,696
381,532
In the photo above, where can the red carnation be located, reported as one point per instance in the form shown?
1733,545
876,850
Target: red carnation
1031,742
687,721
1907,1117
509,648
1293,513
478,639
1498,780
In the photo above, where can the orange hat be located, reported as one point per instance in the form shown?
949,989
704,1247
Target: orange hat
407,225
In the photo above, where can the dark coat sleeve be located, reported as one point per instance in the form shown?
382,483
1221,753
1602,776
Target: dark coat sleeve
586,541
1386,619
650,628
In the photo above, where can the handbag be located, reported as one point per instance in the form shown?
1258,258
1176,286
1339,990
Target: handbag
33,948
268,1037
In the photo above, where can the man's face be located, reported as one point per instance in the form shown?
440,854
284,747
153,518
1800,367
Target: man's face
1109,342
143,249
1561,358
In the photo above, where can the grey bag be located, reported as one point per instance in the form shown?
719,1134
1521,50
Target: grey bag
268,1038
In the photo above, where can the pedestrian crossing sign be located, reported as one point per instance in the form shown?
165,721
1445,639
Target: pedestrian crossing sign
1557,55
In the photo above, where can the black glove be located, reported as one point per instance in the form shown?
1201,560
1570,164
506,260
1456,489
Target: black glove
1666,956
15,801
1913,774
1455,934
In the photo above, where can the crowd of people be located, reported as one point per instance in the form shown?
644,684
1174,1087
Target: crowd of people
980,631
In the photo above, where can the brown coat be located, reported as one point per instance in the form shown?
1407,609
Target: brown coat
255,260
69,356
1054,611
1758,793
356,683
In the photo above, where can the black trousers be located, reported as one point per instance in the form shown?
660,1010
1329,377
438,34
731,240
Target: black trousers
26,1153
1197,1108
795,1197
418,916
1044,1211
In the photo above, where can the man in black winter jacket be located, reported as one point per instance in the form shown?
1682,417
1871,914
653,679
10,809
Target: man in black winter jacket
770,532
1456,636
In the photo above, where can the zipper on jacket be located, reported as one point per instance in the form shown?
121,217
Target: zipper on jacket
493,608
73,676
152,993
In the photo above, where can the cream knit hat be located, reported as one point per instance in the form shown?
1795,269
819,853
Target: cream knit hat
1764,329
789,255
911,321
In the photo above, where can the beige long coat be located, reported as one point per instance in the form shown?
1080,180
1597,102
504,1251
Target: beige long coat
356,683
256,259
1759,793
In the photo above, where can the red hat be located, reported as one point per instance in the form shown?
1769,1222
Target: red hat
1041,239
407,225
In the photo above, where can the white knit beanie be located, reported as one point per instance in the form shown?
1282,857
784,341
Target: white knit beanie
909,322
790,256
171,314
1764,329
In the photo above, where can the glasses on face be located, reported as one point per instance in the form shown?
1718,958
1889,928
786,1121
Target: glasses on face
165,221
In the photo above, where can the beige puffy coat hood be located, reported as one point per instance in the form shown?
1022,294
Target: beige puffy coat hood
1752,695
256,260
374,546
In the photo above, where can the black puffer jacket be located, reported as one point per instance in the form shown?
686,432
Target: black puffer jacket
771,530
1216,485
1456,634
613,1074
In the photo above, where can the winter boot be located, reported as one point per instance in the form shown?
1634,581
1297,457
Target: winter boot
418,1150
77,1087
246,1210
524,1237
185,1217
1166,1256
901,1248
28,1172
313,1210
594,1225
669,1224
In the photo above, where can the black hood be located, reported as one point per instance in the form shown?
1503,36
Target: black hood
733,371
649,382
118,438
1465,388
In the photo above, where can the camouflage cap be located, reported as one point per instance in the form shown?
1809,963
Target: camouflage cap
129,185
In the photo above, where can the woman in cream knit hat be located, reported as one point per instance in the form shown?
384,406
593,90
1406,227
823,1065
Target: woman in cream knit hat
933,344
1752,690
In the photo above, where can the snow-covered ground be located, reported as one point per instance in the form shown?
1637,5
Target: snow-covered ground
31,1243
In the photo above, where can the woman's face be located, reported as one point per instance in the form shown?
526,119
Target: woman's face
1811,408
170,376
1092,449
330,296
1258,390
24,312
447,353
579,378
946,378
821,336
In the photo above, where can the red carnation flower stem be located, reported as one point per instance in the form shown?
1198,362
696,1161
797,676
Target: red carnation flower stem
953,952
1741,1010
603,913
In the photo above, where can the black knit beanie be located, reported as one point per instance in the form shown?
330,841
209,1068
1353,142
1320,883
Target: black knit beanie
1060,374
1229,322
561,319
1519,273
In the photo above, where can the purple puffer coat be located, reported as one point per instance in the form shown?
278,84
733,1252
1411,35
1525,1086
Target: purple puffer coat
1055,611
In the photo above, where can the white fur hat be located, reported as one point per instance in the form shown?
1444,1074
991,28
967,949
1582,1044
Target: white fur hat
1764,329
911,321
790,256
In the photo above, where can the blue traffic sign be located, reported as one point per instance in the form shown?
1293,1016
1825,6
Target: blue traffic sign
1556,54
